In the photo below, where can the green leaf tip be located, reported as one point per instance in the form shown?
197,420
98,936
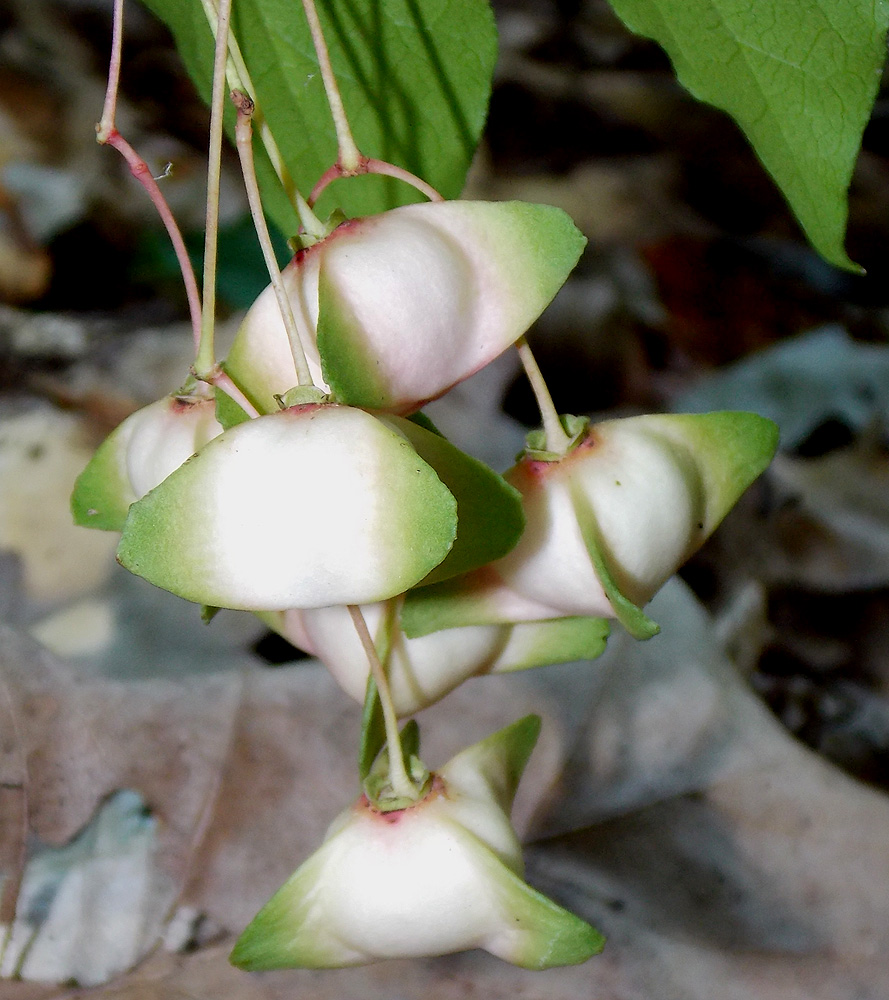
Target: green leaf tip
800,80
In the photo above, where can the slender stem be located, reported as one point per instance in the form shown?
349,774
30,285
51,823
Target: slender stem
556,439
244,141
223,381
349,156
401,782
372,166
107,134
205,361
399,173
109,109
238,78
139,169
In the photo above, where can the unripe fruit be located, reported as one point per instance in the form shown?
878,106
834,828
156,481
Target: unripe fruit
421,671
441,876
311,506
139,455
608,523
644,491
394,309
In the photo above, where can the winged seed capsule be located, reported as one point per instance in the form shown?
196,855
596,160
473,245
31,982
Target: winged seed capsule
608,523
139,455
396,308
422,671
441,876
634,500
311,506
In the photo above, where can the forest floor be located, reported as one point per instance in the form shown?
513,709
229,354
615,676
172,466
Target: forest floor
715,800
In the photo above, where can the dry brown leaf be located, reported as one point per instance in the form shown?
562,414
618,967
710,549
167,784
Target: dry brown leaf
716,849
42,451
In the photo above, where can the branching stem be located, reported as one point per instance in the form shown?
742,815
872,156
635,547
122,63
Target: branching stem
349,156
368,165
402,785
222,380
244,141
109,109
238,78
556,439
205,360
107,134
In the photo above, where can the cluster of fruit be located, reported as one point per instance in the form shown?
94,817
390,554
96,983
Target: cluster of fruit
320,506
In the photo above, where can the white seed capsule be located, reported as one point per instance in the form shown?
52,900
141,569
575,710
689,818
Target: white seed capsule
394,309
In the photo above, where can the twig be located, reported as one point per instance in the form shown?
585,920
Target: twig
348,156
244,141
368,165
556,439
205,359
398,776
107,134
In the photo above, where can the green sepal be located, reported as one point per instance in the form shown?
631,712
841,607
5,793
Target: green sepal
490,519
228,412
302,241
535,441
300,395
410,739
102,493
208,613
633,618
377,785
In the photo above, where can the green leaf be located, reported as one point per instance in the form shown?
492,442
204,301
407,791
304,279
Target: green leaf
415,80
489,511
799,78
